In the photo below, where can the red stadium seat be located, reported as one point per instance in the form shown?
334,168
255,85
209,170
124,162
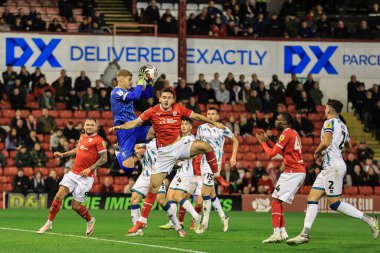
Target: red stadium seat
305,189
288,100
238,108
52,163
262,156
7,187
320,108
291,109
66,114
10,171
11,161
102,178
103,171
5,153
307,141
45,146
246,164
243,149
226,108
60,106
6,179
351,190
25,113
308,157
249,139
250,157
94,114
80,114
118,188
54,114
121,180
44,171
28,171
377,190
1,172
202,107
95,188
5,121
107,115
227,148
365,190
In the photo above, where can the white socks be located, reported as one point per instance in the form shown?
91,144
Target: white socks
206,209
171,212
349,210
135,213
218,207
311,213
189,207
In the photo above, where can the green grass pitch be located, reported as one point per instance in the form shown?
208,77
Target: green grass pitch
331,233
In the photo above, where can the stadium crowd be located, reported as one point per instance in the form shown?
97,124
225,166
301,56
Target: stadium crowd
296,19
259,103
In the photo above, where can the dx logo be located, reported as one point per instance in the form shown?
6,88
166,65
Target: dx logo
322,57
46,50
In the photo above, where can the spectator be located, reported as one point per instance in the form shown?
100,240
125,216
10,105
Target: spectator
208,95
45,123
254,103
168,25
9,78
20,182
21,14
106,187
341,31
24,77
247,12
358,178
22,129
9,18
276,82
277,93
95,28
90,100
88,7
17,99
31,139
215,83
39,156
275,27
312,175
377,120
70,132
203,23
199,85
193,105
61,89
52,185
222,95
84,26
305,31
54,26
3,161
230,81
261,90
351,162
23,158
236,95
66,80
18,25
247,185
368,110
363,32
369,164
255,82
245,93
13,141
316,94
31,123
128,187
373,17
183,92
324,27
104,100
242,82
4,27
28,25
65,9
38,23
35,77
265,122
233,125
231,176
292,85
269,104
218,29
260,26
73,101
306,105
47,100
37,184
309,83
246,126
352,87
191,24
54,139
98,18
152,13
250,32
372,177
265,184
41,87
363,152
82,82
303,126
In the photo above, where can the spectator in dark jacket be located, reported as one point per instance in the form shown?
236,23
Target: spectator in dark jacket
183,92
9,77
20,182
104,100
38,23
37,184
23,158
82,82
341,31
46,124
52,185
54,26
39,156
65,9
303,126
152,13
17,99
208,95
305,105
31,140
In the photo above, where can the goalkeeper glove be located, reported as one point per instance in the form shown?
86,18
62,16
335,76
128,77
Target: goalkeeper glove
141,76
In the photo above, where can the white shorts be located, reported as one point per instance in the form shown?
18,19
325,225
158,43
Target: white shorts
167,156
287,186
207,174
196,186
330,180
208,179
78,185
183,183
142,184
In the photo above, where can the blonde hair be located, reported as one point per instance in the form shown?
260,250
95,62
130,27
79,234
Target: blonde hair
124,72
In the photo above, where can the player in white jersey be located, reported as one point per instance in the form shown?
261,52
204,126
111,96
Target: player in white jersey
140,188
183,184
215,137
329,181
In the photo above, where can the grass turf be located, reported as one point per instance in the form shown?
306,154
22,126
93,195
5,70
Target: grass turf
330,233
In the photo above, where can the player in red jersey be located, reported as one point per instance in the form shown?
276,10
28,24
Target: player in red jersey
289,146
91,153
166,121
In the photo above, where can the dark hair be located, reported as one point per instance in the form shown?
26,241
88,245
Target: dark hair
170,90
288,118
211,108
187,119
336,105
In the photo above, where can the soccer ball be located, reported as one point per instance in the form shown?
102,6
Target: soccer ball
150,72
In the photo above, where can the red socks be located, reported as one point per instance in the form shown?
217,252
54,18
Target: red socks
148,204
181,214
84,213
211,160
276,214
54,209
282,217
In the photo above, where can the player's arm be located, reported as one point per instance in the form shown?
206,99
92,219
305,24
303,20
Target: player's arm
271,152
65,154
205,119
129,125
235,146
325,143
147,92
102,160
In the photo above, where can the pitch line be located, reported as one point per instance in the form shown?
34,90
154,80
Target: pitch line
105,240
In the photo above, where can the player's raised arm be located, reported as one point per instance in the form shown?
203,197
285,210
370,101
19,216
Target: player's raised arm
129,125
271,152
68,153
235,146
207,120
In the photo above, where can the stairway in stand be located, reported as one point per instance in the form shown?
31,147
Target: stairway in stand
116,11
355,128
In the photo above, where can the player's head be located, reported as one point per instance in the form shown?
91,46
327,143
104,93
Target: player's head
124,79
333,108
283,121
213,113
186,126
167,98
90,126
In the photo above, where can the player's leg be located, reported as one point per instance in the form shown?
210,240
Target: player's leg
138,193
63,191
170,196
276,222
218,207
206,192
126,156
200,147
182,198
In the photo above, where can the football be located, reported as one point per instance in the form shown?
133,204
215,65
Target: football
150,72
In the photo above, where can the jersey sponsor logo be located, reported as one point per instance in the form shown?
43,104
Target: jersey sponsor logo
120,93
282,137
82,147
175,113
90,140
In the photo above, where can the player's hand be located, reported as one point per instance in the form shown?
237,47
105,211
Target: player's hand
219,125
58,154
85,172
141,76
260,138
317,155
111,129
233,162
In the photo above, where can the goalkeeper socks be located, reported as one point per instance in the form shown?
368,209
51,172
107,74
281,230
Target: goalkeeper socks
148,204
181,214
311,213
211,160
218,207
189,207
135,213
276,215
84,213
349,210
206,210
171,211
54,209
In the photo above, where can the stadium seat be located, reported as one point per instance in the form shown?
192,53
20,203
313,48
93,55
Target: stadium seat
262,157
365,190
103,171
80,114
28,171
65,114
238,108
54,113
33,105
240,139
44,171
226,108
52,163
7,187
121,180
107,115
291,109
314,117
102,178
351,190
6,180
1,172
5,153
320,108
95,188
376,190
307,141
244,148
250,139
2,146
212,105
305,189
308,157
5,121
10,171
247,164
25,113
288,100
94,114
45,146
9,113
250,157
227,148
37,113
118,188
11,161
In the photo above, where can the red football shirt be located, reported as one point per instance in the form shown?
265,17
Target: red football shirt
291,149
88,150
166,124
